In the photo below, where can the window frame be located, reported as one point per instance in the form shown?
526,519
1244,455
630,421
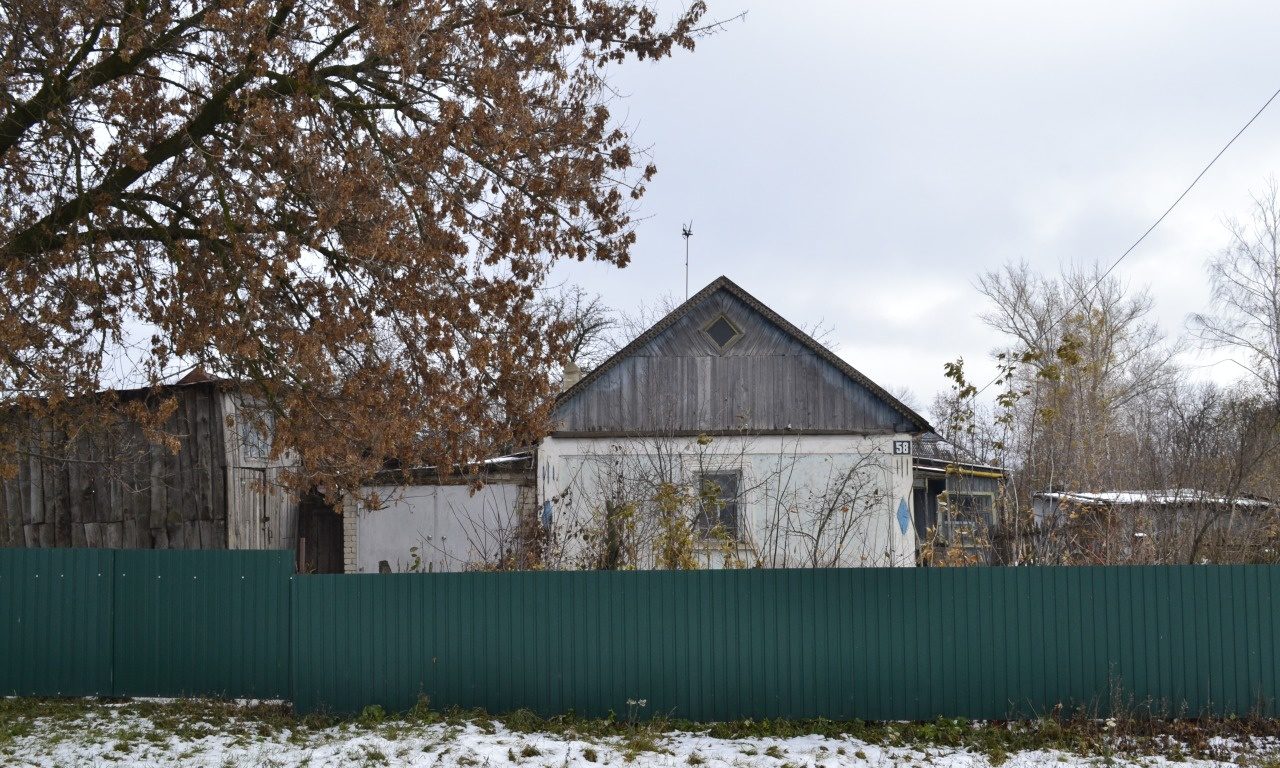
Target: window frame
948,520
701,526
737,332
256,444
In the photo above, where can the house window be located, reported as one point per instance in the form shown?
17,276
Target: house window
718,502
722,332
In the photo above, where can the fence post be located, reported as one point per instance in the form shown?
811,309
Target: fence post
111,619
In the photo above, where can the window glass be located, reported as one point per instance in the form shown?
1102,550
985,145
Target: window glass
255,438
718,498
722,332
967,516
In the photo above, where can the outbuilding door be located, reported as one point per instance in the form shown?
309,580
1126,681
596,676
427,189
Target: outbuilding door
250,526
319,536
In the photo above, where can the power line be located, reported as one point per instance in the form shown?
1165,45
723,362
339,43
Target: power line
1151,228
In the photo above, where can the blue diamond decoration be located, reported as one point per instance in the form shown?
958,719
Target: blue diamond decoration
904,515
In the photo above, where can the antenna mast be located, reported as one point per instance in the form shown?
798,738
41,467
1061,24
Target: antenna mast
686,231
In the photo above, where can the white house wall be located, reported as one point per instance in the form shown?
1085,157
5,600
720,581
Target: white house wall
783,479
450,527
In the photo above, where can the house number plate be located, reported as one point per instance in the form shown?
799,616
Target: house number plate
901,447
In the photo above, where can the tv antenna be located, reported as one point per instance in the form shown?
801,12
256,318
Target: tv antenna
686,231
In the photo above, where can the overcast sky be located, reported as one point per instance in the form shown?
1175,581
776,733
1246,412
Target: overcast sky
860,162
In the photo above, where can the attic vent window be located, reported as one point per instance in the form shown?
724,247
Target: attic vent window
722,332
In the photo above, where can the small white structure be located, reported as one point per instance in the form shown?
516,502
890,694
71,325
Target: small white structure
1186,525
1052,507
422,522
435,528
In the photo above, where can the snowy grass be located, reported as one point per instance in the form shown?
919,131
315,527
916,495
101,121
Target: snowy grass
216,734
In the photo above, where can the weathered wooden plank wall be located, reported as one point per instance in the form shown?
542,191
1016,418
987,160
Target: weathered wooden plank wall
767,381
262,511
120,490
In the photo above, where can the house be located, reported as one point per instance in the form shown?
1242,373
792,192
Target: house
219,489
787,455
1161,525
721,436
954,501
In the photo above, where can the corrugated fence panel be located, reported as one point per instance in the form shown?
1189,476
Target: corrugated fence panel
865,643
213,623
55,622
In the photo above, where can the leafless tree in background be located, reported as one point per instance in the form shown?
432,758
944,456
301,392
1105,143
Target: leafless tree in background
590,322
1245,279
1221,440
1087,350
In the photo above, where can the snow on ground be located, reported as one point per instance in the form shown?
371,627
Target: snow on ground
112,736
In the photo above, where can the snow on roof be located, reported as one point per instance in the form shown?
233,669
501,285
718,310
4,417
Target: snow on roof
514,458
1165,497
509,459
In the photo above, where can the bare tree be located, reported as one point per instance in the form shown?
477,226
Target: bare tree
1140,465
1222,443
1204,462
1085,350
589,324
1245,279
633,323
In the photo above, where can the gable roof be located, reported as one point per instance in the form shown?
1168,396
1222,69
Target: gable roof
723,283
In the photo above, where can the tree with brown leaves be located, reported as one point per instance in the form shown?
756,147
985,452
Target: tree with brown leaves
341,205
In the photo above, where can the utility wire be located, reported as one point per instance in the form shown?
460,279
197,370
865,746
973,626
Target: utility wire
1079,301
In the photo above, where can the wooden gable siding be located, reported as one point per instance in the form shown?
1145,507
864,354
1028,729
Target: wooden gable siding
122,491
767,381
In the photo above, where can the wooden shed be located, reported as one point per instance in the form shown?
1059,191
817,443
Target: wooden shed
219,490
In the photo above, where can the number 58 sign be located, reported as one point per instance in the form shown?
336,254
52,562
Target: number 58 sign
901,447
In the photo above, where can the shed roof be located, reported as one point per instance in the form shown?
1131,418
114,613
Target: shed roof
934,454
1159,497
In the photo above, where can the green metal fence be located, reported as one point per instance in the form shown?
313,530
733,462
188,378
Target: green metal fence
859,643
202,623
100,622
55,611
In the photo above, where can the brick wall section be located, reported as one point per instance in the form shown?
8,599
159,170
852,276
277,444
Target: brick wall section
349,536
